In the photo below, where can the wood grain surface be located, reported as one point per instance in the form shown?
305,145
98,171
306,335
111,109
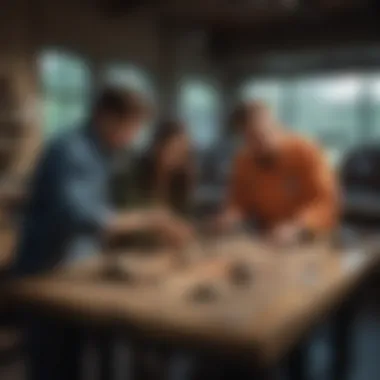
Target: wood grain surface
288,291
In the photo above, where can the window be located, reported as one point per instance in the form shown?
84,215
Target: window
199,106
132,77
374,96
65,83
327,109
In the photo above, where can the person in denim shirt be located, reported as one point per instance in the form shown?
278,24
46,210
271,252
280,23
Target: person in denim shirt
70,214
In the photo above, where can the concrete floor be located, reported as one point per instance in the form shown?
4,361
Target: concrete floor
365,366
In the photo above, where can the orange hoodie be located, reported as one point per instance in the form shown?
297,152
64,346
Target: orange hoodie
300,188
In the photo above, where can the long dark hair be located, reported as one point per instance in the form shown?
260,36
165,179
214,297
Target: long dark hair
164,132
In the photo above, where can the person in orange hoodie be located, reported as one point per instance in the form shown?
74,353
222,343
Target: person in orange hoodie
279,179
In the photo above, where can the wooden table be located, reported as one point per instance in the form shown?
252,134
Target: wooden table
290,290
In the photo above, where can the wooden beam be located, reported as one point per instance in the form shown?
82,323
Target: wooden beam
120,8
236,14
296,33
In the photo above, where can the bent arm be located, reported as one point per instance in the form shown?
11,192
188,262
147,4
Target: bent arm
320,211
83,203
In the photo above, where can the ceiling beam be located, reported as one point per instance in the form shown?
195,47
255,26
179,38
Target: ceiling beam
296,32
218,13
120,8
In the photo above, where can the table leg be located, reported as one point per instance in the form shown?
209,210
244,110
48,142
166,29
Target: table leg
105,344
342,341
298,360
206,367
150,362
53,349
107,364
244,371
224,369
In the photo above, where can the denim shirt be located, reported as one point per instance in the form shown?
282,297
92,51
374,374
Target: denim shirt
69,204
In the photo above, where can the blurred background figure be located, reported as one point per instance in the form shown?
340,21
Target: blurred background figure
161,175
167,170
164,173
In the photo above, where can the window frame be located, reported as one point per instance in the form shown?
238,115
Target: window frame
65,95
365,106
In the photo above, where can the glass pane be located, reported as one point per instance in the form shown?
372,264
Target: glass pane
61,115
199,107
73,113
328,109
375,107
65,83
52,114
63,72
269,91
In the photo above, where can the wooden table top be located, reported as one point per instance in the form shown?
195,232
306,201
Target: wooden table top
289,290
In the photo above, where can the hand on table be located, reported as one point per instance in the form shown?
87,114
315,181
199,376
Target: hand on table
224,222
173,230
157,221
285,234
